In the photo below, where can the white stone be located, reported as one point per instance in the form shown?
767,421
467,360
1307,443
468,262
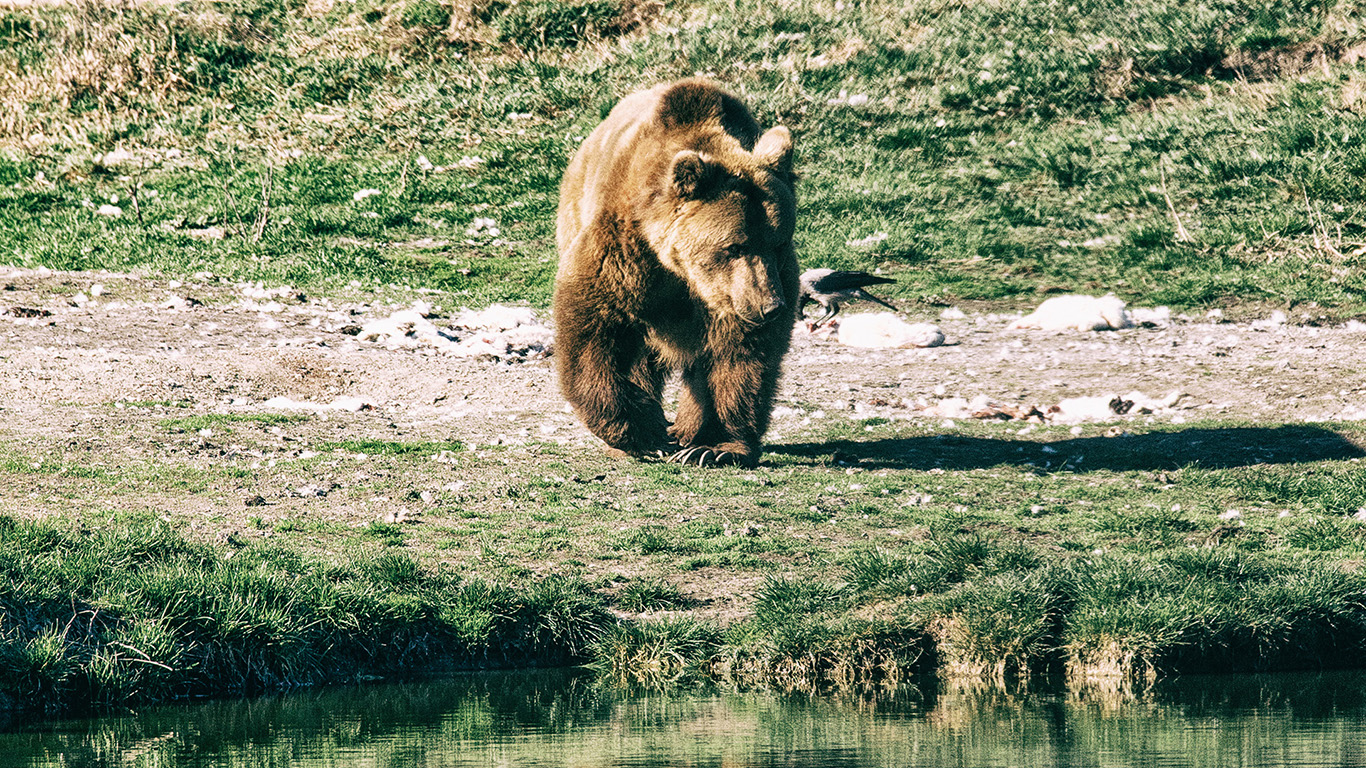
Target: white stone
1076,312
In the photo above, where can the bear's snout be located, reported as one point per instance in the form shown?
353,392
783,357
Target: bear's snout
772,309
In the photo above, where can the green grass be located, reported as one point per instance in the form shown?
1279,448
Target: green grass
657,653
650,595
1124,567
225,420
976,554
1168,151
420,449
136,613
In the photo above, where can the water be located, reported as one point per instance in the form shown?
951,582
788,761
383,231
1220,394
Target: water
564,719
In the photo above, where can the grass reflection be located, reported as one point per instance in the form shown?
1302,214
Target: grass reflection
566,718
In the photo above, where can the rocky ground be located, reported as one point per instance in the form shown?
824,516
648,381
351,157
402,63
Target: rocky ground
77,345
98,365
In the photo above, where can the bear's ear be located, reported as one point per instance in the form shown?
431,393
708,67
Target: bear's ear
774,150
691,175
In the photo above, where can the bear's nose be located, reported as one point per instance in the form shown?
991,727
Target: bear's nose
773,308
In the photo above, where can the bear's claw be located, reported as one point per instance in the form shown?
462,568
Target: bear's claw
703,456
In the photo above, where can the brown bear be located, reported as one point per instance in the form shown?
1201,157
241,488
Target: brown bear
675,239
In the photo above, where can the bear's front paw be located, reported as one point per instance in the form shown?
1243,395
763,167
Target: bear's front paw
707,456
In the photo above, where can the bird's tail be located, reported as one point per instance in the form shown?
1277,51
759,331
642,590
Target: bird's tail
873,298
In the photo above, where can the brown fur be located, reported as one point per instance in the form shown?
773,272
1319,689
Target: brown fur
675,238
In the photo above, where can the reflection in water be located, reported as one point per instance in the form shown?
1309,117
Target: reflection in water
564,719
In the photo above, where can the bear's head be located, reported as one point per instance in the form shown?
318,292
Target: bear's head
724,223
721,208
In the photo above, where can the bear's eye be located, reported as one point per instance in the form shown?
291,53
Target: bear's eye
732,251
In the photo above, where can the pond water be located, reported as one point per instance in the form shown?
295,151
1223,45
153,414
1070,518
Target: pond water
565,719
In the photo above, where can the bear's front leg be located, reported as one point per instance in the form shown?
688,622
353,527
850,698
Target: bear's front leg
613,381
695,423
726,411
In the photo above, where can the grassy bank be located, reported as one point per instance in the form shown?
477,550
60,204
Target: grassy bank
1193,153
1158,560
864,569
138,613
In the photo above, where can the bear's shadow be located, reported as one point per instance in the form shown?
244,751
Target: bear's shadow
1205,447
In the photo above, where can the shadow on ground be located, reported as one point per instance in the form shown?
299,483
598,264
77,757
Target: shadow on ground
1207,448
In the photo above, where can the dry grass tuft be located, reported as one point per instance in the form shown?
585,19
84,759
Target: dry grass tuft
1352,95
1284,61
87,63
1109,666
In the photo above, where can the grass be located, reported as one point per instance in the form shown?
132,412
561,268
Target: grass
964,555
1126,570
650,595
394,448
136,613
213,421
1194,153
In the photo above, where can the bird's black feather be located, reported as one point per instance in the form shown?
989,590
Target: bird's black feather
845,280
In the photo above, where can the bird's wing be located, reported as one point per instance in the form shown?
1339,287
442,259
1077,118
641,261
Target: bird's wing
844,280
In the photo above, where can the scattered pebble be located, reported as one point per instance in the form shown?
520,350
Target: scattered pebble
114,158
1150,317
1276,320
867,242
483,227
349,404
1071,410
311,491
499,332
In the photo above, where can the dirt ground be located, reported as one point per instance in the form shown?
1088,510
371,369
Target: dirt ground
224,348
95,364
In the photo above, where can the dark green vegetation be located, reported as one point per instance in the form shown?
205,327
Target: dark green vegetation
1183,152
139,613
1188,153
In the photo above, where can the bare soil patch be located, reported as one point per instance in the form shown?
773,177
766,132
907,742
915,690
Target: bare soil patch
123,394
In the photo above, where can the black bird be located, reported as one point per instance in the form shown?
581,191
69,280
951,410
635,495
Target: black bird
828,287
